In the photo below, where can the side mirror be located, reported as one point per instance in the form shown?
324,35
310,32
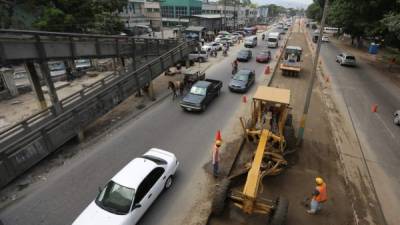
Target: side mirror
137,206
99,189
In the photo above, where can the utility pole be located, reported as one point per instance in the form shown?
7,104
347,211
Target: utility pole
224,14
313,75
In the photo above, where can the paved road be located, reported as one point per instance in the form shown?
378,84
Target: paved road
70,188
361,87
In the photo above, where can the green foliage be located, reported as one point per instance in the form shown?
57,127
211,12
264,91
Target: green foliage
99,16
275,10
314,11
360,18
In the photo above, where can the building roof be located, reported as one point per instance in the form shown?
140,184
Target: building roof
271,94
195,28
209,16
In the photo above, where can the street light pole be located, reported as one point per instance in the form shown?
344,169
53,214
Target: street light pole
313,75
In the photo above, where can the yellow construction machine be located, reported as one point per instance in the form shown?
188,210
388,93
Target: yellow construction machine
271,126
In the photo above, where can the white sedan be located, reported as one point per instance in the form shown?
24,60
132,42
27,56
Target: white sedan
396,119
211,46
128,195
325,38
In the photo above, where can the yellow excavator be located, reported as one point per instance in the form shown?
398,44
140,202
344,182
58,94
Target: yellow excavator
270,125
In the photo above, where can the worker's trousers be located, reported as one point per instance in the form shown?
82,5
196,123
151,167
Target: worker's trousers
215,169
315,206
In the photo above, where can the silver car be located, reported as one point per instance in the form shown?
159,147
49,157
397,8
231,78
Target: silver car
346,59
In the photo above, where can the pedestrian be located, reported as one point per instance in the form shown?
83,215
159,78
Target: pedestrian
319,196
215,158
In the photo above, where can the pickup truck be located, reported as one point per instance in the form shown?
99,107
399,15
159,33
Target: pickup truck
200,56
201,95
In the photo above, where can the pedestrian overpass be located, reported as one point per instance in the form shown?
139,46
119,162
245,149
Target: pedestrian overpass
29,141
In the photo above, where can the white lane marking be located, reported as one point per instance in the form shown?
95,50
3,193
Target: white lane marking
384,124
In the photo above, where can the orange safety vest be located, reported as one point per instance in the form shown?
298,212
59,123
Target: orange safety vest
323,196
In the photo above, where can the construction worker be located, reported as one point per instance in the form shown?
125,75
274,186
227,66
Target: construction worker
215,157
319,196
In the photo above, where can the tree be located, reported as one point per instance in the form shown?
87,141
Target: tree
314,11
79,16
275,10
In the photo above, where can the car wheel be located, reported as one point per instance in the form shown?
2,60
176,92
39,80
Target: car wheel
203,108
201,60
168,183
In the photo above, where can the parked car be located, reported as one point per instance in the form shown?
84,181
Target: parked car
225,40
201,95
128,195
396,119
200,56
244,55
242,80
325,38
211,46
346,59
263,57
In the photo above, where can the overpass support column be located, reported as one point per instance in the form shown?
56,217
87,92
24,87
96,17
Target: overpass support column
35,81
44,67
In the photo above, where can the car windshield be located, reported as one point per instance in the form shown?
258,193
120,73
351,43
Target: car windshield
115,198
350,57
272,39
243,53
198,91
241,76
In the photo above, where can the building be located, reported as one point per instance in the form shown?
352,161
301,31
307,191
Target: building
262,14
177,12
234,17
134,14
153,14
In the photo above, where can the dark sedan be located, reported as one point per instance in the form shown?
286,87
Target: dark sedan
242,80
244,55
263,57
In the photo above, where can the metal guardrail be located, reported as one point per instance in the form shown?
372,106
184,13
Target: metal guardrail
22,46
28,142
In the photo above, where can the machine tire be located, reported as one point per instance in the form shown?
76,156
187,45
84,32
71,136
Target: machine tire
220,196
278,216
290,138
201,60
168,182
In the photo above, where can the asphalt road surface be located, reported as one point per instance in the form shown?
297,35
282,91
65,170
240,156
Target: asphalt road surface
71,187
361,87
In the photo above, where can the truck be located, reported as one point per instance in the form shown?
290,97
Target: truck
273,39
201,94
291,61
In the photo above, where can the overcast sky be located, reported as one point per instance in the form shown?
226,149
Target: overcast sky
290,3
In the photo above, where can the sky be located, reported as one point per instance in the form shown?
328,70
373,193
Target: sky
285,3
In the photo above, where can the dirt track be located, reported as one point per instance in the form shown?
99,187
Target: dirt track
317,157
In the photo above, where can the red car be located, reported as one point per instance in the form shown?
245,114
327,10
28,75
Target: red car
264,57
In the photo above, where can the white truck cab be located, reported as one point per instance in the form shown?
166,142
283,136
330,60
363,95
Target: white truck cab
273,40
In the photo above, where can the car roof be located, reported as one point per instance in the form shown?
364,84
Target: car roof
134,172
202,84
294,47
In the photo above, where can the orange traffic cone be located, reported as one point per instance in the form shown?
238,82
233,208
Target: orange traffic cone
374,108
266,71
218,136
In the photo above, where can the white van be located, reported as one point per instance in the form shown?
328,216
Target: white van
250,42
273,40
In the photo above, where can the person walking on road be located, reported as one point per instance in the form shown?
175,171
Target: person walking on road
215,158
319,196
